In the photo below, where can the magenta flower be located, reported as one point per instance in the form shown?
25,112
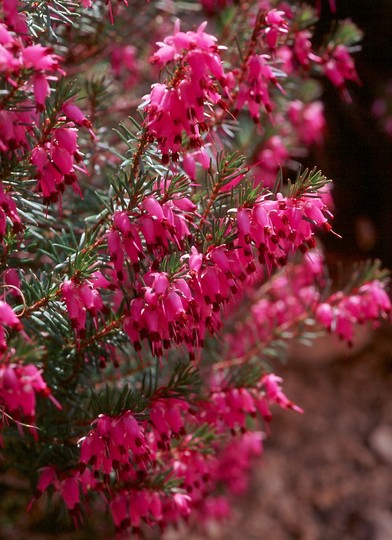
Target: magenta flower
309,121
8,210
271,384
176,109
255,90
80,299
19,386
57,162
341,313
113,444
276,24
7,318
339,67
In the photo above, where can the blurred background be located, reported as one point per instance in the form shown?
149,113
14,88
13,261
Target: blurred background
358,149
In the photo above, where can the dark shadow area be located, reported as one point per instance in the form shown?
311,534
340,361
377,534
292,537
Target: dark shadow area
358,154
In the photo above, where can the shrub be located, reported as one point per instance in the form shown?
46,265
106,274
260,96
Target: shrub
156,258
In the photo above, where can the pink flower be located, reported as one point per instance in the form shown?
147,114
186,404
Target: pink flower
308,120
112,442
8,62
80,299
57,162
8,210
14,19
69,486
124,65
182,504
325,315
339,67
7,318
254,91
177,108
69,489
276,24
271,158
190,159
39,58
119,511
303,48
19,385
271,384
340,312
41,90
73,113
236,458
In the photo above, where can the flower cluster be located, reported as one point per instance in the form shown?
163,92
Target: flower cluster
340,313
281,48
83,298
289,297
282,225
254,90
19,387
176,110
178,309
178,238
55,162
295,297
26,67
107,446
339,67
308,121
134,449
69,486
160,226
230,407
49,144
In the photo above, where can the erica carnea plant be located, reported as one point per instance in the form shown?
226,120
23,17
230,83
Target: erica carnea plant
158,244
